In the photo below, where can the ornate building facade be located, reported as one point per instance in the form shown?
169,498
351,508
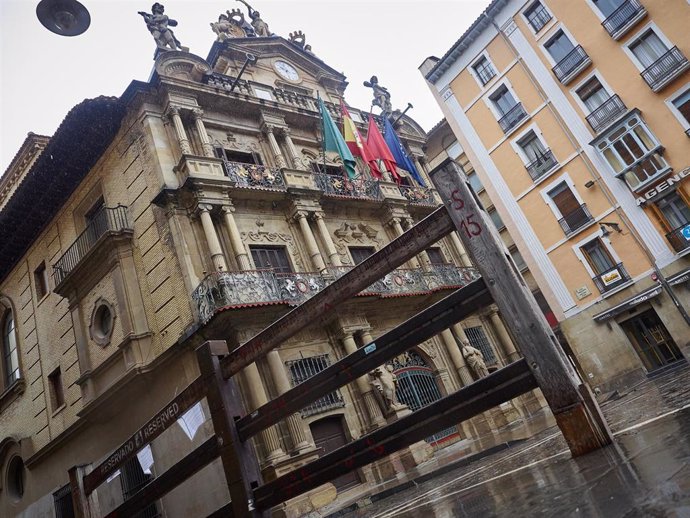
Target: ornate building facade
198,205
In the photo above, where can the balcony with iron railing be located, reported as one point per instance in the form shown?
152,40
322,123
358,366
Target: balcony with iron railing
680,238
254,175
262,287
576,220
665,69
606,113
418,195
574,62
620,21
512,118
340,186
611,278
108,221
541,165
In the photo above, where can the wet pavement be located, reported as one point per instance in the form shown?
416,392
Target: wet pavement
528,470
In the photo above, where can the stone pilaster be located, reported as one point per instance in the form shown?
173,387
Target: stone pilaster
212,238
278,157
504,340
310,241
238,248
174,115
198,114
394,223
460,250
333,255
294,156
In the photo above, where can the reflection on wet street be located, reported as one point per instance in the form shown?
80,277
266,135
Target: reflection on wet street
646,473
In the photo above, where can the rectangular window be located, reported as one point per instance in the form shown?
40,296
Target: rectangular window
484,70
538,16
62,499
435,255
598,256
682,104
503,100
478,340
498,222
360,253
475,183
238,156
41,280
593,94
267,257
519,261
57,396
607,7
648,48
559,46
675,210
573,214
532,147
303,369
510,111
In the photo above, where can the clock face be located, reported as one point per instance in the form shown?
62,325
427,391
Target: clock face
286,70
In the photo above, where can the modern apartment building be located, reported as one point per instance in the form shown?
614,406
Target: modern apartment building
575,115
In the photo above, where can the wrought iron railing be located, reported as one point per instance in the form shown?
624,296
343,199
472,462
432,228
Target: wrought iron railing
571,62
680,237
665,68
606,113
541,164
107,219
254,175
303,369
359,187
611,278
576,219
449,275
512,117
621,16
419,195
295,288
538,17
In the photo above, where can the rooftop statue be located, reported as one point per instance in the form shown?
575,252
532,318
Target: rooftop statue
382,97
157,24
260,27
232,25
299,39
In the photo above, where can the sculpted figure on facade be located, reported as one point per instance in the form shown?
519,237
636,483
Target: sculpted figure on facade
232,25
159,25
385,382
299,39
261,29
382,97
474,359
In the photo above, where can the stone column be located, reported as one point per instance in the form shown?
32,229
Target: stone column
278,157
333,255
294,156
504,340
312,247
294,421
235,238
203,135
460,249
456,357
366,336
257,398
212,238
375,415
398,230
423,257
174,115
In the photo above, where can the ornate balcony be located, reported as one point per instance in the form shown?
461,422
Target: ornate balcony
665,69
418,195
335,185
575,220
611,278
254,175
680,238
541,165
512,117
444,276
568,67
108,221
623,18
606,113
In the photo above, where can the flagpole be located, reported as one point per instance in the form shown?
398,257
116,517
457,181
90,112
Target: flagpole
323,134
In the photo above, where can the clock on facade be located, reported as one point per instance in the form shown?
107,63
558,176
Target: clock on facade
286,70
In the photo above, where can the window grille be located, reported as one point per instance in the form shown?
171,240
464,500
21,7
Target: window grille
303,369
62,499
478,340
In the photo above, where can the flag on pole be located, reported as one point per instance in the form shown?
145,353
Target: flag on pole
333,141
357,146
379,149
399,153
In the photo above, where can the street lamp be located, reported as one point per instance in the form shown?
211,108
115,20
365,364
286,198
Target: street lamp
63,17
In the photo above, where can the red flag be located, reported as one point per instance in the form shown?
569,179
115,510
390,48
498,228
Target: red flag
354,141
379,149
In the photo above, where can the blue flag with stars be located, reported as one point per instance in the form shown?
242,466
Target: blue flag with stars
401,158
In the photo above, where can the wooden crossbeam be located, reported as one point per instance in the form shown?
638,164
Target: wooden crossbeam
173,477
418,238
486,393
412,332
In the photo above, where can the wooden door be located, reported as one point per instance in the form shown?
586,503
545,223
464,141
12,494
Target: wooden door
329,435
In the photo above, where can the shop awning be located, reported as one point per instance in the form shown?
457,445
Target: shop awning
630,303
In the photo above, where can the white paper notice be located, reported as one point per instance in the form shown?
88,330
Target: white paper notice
192,419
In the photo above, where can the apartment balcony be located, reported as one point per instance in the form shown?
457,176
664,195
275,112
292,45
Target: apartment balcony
418,195
541,165
571,65
576,220
624,18
680,238
665,69
512,118
611,278
254,176
108,224
605,114
339,186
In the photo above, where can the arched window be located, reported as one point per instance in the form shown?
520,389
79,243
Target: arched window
10,355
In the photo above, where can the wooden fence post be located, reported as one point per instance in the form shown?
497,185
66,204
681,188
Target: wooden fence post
576,412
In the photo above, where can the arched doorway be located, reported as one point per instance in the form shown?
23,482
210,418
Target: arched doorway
417,388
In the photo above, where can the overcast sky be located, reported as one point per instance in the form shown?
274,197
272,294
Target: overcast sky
44,75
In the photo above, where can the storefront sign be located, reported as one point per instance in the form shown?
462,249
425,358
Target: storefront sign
686,232
679,278
628,304
611,277
662,186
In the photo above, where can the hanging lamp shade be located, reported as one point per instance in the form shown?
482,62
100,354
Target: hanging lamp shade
63,17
